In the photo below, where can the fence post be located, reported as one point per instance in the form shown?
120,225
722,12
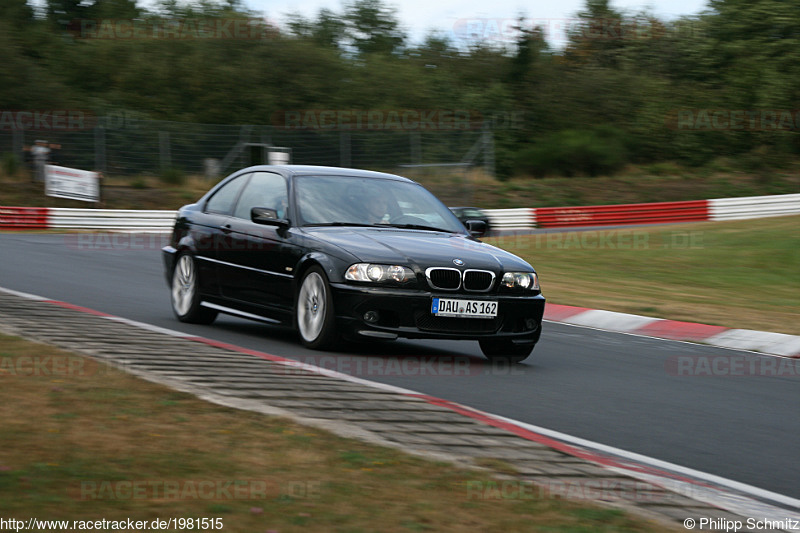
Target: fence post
163,150
18,145
488,150
100,149
416,147
344,149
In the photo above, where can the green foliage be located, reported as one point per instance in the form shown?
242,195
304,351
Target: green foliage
662,168
589,152
10,164
630,71
139,183
173,176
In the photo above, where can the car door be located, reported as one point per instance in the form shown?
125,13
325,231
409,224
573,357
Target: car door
208,232
258,266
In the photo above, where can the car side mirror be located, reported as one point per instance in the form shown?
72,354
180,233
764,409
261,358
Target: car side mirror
477,228
267,217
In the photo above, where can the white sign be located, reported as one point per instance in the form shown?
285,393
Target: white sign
279,156
62,182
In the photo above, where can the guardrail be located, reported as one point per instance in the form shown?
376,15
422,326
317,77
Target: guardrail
86,219
521,218
500,219
23,217
111,219
754,207
614,215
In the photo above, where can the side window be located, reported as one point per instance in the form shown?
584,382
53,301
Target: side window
222,201
264,189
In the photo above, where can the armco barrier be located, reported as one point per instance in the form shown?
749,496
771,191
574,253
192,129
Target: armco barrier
608,215
754,207
111,219
23,217
522,218
500,219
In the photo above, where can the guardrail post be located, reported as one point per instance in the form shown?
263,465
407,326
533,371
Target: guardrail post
163,150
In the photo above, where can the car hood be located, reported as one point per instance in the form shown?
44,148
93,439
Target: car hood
418,248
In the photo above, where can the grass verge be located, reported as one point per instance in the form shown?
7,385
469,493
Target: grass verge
82,441
741,274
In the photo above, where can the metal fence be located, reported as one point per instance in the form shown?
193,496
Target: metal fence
144,147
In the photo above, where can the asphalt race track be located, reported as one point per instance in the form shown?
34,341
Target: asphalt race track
615,389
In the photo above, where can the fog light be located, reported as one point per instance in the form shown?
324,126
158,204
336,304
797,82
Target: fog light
371,317
530,324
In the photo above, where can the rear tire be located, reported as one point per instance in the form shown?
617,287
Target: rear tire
185,294
314,311
504,350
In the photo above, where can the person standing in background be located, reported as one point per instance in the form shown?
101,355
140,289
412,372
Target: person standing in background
40,152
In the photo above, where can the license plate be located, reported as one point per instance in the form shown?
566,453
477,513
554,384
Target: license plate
464,308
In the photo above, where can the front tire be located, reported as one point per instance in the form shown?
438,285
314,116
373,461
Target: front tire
185,294
504,350
314,311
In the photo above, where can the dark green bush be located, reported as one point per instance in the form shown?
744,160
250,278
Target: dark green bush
10,164
585,152
173,176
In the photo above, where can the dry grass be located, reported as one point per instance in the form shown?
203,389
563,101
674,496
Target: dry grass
66,433
740,274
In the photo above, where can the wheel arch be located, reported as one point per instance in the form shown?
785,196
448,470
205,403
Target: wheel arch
314,259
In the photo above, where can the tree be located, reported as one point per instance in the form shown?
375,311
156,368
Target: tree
373,27
328,30
530,45
16,12
598,37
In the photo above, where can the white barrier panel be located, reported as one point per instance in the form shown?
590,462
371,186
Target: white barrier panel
500,219
71,183
754,207
111,219
521,218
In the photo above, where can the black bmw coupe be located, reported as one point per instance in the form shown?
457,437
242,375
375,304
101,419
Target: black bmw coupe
337,252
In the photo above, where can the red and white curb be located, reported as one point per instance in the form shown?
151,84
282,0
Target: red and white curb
765,342
733,496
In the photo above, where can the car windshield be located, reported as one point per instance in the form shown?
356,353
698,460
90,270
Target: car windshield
354,201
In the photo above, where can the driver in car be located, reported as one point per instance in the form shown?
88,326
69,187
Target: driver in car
377,209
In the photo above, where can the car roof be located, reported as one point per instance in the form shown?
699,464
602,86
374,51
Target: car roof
313,170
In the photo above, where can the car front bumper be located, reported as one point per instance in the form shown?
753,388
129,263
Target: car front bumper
407,313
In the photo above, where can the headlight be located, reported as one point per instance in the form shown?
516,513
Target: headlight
521,280
377,273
